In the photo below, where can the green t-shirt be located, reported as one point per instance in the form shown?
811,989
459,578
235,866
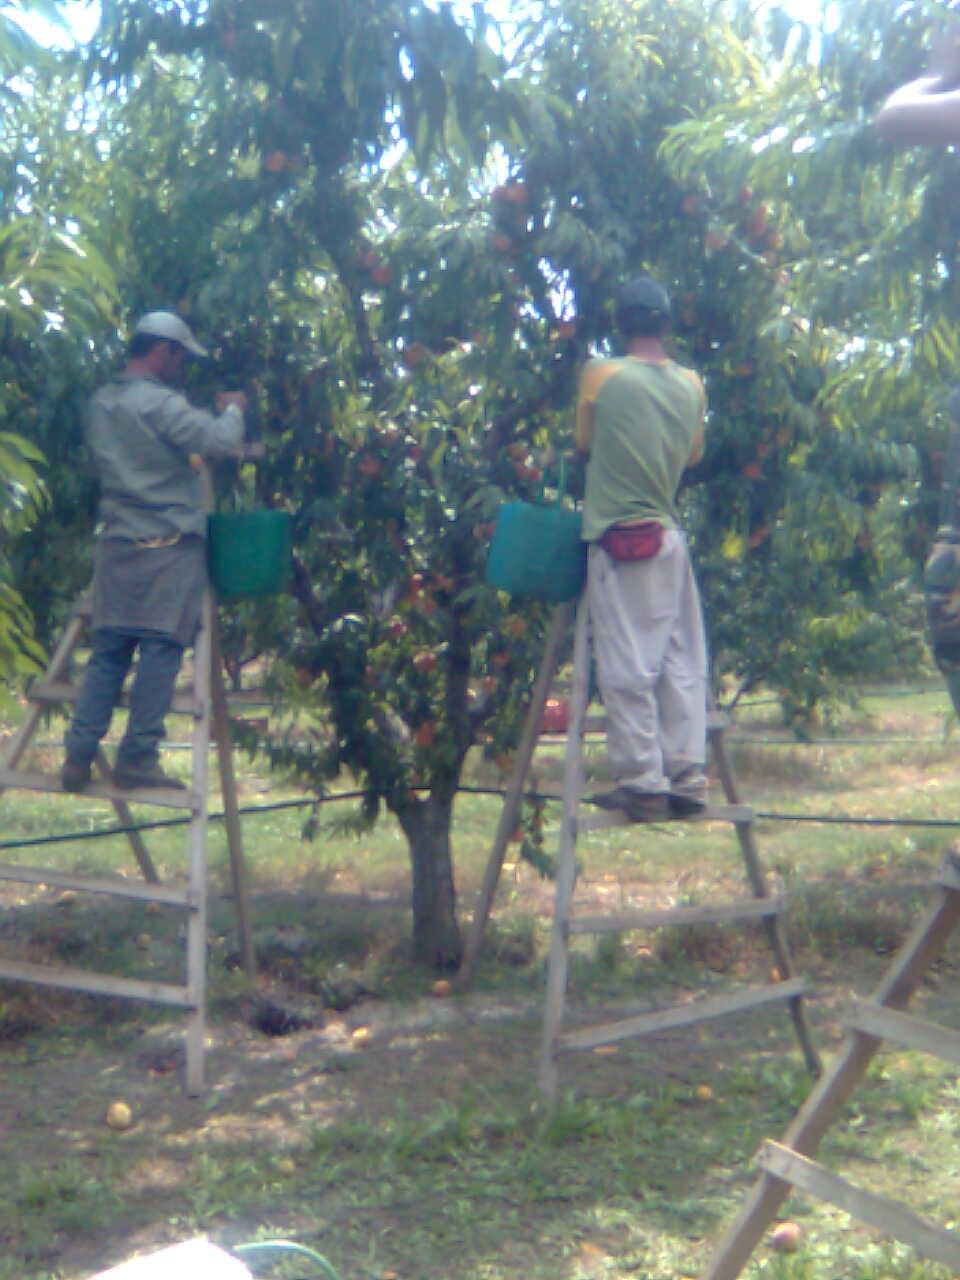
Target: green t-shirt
647,421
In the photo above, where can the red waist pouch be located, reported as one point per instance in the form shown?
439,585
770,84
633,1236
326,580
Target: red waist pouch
633,541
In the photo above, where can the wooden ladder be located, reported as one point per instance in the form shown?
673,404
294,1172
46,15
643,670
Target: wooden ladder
764,907
787,1165
205,703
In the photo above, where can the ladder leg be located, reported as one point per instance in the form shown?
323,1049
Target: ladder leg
122,810
72,633
776,935
558,962
197,920
559,627
835,1086
231,810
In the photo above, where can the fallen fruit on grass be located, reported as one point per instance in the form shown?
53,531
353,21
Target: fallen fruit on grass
119,1115
703,1093
441,988
786,1238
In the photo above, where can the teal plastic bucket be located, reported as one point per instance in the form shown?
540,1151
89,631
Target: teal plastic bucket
249,553
536,552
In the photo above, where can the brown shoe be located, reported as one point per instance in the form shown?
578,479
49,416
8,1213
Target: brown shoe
637,806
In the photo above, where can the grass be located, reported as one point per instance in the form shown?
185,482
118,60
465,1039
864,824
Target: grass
427,1153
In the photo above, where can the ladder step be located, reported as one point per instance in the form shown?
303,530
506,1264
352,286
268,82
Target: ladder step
58,692
678,1016
914,1033
165,797
739,814
99,984
749,909
886,1215
170,896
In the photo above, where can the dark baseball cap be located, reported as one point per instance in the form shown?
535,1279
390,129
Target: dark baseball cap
643,293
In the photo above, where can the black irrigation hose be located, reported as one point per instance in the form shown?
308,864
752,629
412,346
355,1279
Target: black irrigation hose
840,820
165,822
833,819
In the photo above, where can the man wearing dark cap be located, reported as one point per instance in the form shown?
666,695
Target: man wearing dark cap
150,558
640,422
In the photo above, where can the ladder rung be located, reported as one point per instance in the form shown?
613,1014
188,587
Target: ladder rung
914,1033
173,897
678,1016
165,797
886,1215
741,814
100,984
749,909
57,692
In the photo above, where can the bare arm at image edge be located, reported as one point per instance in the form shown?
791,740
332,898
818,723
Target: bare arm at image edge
927,110
921,112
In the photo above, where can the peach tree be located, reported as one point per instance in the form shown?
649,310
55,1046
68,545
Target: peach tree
403,237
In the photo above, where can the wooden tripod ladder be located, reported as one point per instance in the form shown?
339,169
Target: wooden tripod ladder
762,906
786,1165
205,703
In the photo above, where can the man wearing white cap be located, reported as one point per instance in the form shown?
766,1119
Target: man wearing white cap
150,558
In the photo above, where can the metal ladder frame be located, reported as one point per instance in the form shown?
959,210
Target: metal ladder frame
788,1164
205,702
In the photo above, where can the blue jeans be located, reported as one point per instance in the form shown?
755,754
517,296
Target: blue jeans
150,696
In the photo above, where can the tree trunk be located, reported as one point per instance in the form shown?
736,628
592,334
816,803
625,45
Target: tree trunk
436,934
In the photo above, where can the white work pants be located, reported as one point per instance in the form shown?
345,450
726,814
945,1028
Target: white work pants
650,651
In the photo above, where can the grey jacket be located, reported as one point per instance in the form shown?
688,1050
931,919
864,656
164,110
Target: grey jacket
141,434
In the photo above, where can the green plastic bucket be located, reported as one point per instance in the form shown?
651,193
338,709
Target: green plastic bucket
536,552
249,553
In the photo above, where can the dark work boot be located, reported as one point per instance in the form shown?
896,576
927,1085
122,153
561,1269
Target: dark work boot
687,806
128,777
75,774
637,806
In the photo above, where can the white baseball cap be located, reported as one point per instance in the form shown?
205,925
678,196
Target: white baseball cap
164,324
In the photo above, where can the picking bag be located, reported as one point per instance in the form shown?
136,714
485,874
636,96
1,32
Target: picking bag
249,553
537,551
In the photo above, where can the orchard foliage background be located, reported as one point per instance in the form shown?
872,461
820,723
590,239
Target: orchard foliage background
400,226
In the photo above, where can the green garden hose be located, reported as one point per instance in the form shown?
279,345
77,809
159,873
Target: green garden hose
287,1246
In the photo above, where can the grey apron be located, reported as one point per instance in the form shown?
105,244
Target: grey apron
155,589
